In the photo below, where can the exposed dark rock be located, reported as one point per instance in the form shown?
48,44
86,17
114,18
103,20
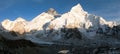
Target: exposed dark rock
70,33
13,33
53,12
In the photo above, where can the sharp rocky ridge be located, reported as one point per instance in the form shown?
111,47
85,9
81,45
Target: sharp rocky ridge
71,27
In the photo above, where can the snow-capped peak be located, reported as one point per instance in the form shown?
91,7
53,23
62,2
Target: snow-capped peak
20,19
77,8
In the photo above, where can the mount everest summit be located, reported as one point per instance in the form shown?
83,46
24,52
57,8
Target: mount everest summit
76,26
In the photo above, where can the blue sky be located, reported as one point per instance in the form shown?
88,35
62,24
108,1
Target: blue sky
28,9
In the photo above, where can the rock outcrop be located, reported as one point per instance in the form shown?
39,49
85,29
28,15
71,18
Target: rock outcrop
52,12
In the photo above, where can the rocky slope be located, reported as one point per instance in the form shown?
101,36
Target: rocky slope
76,27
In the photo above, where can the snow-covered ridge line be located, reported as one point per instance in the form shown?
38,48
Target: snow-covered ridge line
76,18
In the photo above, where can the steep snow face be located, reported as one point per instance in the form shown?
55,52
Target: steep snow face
38,22
97,21
78,12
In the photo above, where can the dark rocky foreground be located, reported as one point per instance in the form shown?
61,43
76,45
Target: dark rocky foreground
27,47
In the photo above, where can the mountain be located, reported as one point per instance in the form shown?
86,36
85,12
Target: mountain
76,26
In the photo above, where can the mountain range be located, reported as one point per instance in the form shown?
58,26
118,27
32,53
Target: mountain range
76,26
